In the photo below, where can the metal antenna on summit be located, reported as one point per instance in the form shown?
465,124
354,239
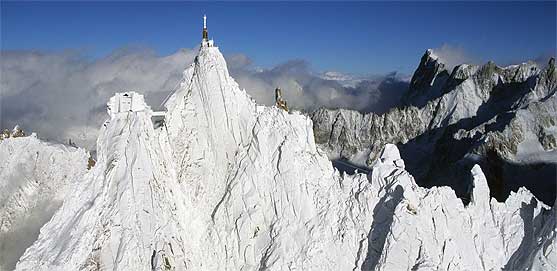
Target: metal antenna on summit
205,33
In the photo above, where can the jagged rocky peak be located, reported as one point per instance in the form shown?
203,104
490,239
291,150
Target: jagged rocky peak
431,80
427,80
428,69
551,65
481,114
521,73
490,73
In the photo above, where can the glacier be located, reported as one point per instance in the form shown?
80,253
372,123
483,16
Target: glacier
226,183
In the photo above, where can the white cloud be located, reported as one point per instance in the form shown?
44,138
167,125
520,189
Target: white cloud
452,56
63,95
306,90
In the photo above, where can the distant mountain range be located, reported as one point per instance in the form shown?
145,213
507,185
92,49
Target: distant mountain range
502,118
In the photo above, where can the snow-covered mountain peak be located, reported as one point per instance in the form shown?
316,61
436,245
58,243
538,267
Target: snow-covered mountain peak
208,119
226,184
464,71
430,54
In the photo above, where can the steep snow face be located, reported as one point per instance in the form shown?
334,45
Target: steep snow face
122,215
34,179
430,229
259,188
209,119
485,235
543,255
227,184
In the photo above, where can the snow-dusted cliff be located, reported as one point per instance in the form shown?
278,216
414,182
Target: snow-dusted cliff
226,184
34,178
502,118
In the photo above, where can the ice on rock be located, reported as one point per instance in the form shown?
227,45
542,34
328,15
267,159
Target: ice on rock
227,184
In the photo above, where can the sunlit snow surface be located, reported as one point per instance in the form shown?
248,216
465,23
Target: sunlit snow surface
230,185
34,178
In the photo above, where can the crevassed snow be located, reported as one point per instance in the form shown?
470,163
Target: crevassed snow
228,184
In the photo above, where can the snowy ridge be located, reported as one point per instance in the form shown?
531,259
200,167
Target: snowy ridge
485,235
228,184
350,134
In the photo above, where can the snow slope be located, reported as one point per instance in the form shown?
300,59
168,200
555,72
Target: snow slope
227,184
34,178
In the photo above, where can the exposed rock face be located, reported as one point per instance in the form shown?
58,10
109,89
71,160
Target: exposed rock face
34,179
487,114
16,132
427,81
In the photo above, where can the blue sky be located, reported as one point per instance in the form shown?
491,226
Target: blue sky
375,37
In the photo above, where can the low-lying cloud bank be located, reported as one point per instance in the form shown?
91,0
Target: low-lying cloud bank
306,90
63,95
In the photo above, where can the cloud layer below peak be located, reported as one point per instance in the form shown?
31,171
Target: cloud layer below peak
62,95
